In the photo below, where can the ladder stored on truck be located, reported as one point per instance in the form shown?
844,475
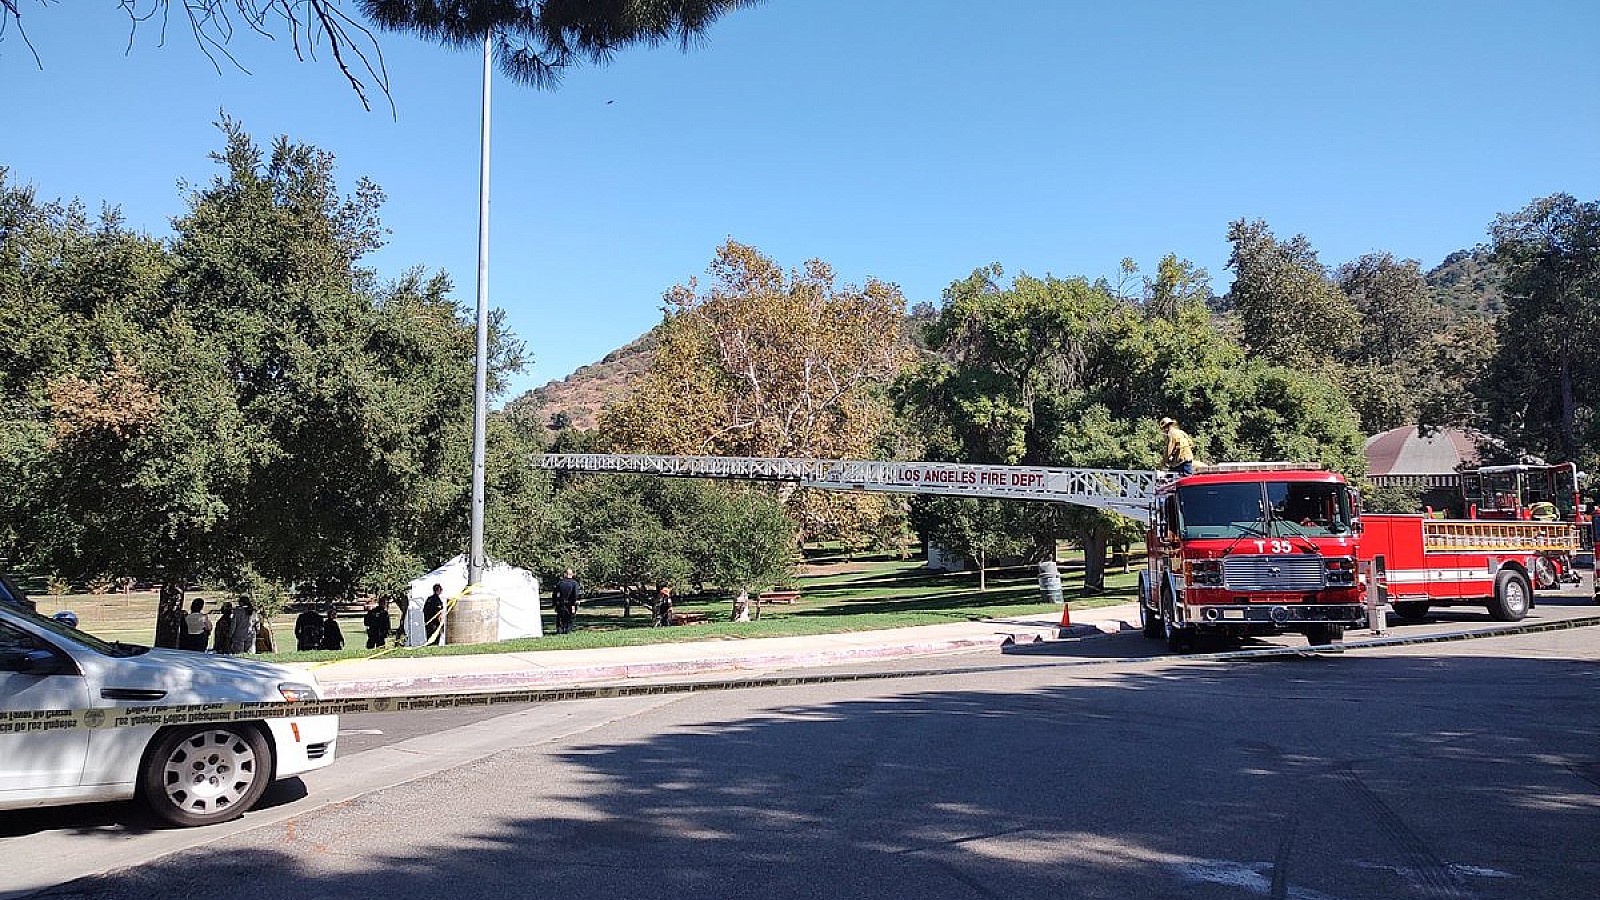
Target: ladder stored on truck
1127,491
1456,536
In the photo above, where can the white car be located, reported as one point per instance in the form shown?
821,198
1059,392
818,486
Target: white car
189,774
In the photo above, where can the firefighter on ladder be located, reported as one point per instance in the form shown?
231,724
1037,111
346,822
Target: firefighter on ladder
1179,457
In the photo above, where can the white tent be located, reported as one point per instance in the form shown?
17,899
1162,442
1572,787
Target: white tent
517,590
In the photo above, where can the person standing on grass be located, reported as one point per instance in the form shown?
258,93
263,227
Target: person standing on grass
376,622
222,637
433,613
307,629
196,628
243,632
566,602
332,637
663,609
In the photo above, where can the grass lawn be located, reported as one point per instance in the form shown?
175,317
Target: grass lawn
864,594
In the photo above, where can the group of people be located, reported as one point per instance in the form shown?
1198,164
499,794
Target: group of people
237,629
318,630
321,631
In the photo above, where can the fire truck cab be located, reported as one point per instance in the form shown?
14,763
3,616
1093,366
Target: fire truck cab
1252,549
1516,492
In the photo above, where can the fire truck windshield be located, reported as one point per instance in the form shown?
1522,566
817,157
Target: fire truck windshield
1277,508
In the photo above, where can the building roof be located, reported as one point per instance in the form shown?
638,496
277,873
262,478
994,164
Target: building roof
1406,451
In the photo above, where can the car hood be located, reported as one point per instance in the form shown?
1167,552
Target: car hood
179,676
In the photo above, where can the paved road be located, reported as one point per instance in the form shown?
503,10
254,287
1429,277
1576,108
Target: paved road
1463,770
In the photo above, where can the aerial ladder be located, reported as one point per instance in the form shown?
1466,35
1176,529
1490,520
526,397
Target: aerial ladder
1126,491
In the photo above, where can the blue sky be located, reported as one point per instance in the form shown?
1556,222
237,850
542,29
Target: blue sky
908,140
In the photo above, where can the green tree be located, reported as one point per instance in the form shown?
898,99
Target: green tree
1395,305
246,404
1289,312
740,539
1059,372
619,531
1543,384
1177,282
1385,372
981,530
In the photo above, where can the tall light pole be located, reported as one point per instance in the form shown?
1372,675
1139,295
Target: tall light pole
480,397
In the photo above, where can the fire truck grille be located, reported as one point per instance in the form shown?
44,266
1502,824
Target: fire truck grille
1272,573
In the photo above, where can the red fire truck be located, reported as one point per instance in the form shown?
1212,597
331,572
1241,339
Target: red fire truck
1423,562
1252,549
1255,549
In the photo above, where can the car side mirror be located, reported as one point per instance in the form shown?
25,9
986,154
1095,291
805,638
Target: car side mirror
1355,526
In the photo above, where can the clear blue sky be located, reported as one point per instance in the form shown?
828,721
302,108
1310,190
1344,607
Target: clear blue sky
909,140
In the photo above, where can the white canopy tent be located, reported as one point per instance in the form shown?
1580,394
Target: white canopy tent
517,590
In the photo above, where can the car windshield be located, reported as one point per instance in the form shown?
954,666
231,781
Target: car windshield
61,629
1297,508
9,593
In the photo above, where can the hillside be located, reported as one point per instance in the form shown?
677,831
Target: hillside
585,393
1468,281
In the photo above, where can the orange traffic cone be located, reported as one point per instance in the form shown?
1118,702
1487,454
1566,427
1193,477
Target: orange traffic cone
1066,613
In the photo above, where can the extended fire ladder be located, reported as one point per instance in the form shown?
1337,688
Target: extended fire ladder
1127,491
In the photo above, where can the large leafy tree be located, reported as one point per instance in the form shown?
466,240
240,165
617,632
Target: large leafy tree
1543,386
1386,371
639,532
983,530
1396,307
248,404
1289,311
1059,372
764,362
767,363
1175,283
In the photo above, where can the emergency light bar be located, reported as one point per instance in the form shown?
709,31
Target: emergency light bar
1258,467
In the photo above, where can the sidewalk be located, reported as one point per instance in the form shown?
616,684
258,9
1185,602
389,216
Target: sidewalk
568,668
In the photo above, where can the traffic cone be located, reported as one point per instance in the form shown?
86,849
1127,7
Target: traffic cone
1066,614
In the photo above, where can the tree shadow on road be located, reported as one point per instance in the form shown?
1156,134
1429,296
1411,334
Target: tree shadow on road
1312,778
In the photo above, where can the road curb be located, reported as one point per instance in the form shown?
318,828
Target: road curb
563,677
1014,641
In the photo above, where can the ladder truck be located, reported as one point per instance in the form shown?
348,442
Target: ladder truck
1218,563
1235,550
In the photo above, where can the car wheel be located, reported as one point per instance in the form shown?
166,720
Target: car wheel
1511,596
204,774
1411,610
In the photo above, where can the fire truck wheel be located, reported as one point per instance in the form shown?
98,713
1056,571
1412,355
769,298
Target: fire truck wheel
1179,640
1511,596
1324,635
1411,610
1150,621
